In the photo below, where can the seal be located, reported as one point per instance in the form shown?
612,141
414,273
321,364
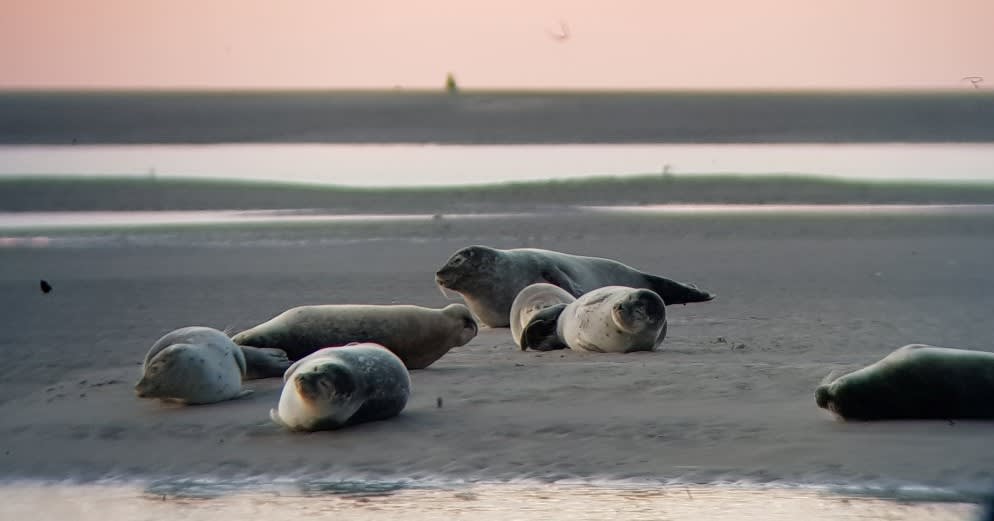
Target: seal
338,386
264,362
916,381
418,335
489,279
530,301
612,319
193,365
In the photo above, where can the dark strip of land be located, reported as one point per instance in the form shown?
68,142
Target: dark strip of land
82,194
123,117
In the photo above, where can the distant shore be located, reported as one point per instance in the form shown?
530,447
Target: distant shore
18,194
484,117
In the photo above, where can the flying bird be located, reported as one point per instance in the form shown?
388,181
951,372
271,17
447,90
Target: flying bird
975,80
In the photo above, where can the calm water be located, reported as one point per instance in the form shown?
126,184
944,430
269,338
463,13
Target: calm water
483,502
41,222
434,165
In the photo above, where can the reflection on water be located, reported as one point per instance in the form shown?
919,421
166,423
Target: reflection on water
824,209
70,220
103,219
483,502
436,165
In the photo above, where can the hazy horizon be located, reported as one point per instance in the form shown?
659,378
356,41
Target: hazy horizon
516,45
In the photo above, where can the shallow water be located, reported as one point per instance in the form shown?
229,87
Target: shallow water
485,502
438,165
21,221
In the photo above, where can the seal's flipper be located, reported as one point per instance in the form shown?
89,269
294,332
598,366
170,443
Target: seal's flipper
674,292
556,277
264,362
541,332
275,416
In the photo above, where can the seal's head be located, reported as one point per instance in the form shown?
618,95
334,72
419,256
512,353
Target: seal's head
319,395
326,382
461,314
465,266
639,310
823,397
159,376
843,399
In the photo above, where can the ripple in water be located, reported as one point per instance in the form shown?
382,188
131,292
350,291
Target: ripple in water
359,500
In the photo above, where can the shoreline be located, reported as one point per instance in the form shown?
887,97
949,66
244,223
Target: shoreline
477,117
484,502
207,485
95,193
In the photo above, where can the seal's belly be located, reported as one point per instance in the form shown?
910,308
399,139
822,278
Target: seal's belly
591,329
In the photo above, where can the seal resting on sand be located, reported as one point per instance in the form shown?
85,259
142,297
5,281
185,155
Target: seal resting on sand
193,365
338,386
489,279
418,335
916,381
530,301
612,319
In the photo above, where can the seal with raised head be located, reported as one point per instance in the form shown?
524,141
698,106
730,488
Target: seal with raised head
193,365
532,300
489,279
418,335
612,319
338,386
916,381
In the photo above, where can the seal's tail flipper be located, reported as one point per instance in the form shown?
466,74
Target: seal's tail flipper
541,332
674,292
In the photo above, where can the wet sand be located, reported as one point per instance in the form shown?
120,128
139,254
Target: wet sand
729,397
486,502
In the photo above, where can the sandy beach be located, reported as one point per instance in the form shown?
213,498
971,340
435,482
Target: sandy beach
729,397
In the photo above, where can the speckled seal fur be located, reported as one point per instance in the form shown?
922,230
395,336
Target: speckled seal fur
612,319
193,365
339,386
489,279
418,335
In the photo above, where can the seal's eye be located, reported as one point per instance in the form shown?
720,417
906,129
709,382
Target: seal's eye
457,261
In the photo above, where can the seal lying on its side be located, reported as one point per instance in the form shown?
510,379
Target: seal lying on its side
613,319
338,386
532,300
416,334
916,381
488,279
193,365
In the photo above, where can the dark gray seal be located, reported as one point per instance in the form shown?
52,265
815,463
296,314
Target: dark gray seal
339,386
916,381
489,279
418,335
612,319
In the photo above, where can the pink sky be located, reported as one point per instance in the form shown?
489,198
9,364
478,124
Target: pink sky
499,44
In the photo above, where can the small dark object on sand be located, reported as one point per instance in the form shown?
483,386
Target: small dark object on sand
438,402
45,286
